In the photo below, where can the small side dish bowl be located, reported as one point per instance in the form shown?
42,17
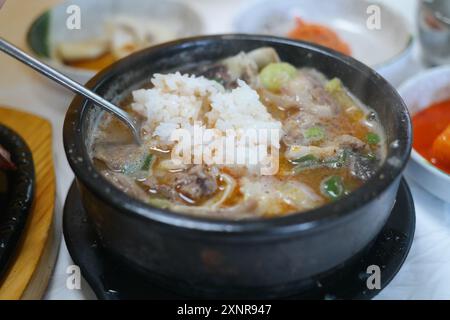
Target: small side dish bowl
52,26
420,92
204,257
348,18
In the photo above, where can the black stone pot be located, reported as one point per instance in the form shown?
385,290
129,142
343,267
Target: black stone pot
261,258
17,200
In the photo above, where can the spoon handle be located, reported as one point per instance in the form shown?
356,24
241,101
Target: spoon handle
70,84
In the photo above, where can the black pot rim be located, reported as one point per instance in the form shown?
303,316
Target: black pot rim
314,219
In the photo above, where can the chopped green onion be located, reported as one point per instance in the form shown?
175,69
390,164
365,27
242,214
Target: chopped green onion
308,157
275,75
371,156
147,162
333,85
373,138
305,162
159,203
315,134
338,91
133,167
333,187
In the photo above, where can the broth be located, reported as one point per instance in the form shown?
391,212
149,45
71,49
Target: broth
329,142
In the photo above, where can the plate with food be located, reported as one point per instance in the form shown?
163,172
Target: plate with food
428,98
339,138
351,27
82,37
16,192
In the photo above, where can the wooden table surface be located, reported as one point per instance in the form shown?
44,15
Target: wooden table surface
32,265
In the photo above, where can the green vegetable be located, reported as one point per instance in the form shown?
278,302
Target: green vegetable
337,90
305,162
275,75
334,85
306,158
373,138
315,134
134,167
310,161
159,203
147,162
371,157
333,187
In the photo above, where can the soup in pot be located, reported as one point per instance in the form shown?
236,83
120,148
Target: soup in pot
248,136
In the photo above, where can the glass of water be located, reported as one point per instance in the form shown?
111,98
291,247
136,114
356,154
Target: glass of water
434,31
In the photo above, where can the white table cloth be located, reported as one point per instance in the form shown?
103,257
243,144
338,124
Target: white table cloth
426,272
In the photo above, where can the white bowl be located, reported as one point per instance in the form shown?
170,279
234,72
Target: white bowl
50,27
418,93
387,50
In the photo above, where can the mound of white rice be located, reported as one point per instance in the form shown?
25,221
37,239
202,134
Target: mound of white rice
174,102
180,101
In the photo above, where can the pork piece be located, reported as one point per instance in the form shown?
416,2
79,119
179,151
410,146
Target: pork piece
348,142
166,191
196,183
219,73
295,126
126,158
5,160
126,184
244,66
307,94
263,56
296,152
274,195
308,88
328,150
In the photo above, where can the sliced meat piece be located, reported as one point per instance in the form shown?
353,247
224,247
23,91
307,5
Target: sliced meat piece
196,183
296,125
125,184
308,91
244,66
274,196
126,158
347,141
330,149
168,192
219,73
263,56
297,152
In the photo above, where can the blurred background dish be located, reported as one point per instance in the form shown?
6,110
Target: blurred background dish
428,98
434,31
109,30
339,24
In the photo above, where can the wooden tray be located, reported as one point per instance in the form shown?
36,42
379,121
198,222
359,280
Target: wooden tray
31,268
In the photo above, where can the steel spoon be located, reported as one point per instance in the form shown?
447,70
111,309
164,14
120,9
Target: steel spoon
72,85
